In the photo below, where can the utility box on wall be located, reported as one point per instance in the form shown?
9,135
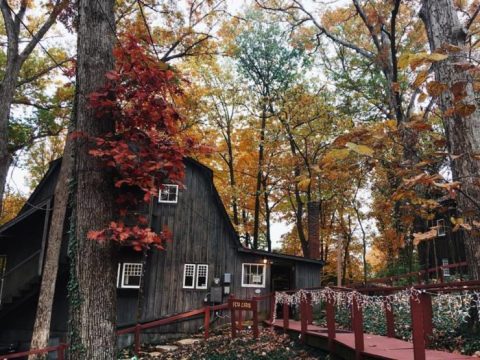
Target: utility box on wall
216,295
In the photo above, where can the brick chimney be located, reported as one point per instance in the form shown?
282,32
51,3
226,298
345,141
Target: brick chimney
313,223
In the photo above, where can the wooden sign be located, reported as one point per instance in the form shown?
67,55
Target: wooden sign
239,305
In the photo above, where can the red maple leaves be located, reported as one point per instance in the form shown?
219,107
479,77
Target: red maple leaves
147,147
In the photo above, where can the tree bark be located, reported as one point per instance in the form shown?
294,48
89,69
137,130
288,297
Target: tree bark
94,319
43,317
462,132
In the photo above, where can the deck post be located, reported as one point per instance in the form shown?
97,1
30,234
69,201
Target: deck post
61,351
286,311
418,332
309,308
240,320
137,339
330,309
357,325
426,301
255,319
232,317
303,319
206,322
272,307
390,318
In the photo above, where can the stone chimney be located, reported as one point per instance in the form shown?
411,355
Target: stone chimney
313,223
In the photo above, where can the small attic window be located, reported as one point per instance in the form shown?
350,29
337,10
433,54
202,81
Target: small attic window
441,228
168,194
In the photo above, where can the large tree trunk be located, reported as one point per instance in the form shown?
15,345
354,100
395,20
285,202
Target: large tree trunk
463,132
93,320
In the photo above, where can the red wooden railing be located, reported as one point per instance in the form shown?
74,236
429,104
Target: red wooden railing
421,314
136,330
59,349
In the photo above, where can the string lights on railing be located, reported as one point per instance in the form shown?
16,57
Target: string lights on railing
455,306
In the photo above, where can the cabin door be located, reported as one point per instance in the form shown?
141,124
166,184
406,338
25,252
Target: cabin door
283,277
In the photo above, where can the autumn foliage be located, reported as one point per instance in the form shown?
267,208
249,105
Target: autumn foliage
148,145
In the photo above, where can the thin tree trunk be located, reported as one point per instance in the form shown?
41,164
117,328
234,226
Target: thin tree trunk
94,319
231,171
268,213
43,317
462,132
7,89
258,188
15,59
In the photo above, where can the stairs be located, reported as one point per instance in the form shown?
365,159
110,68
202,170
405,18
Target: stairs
21,294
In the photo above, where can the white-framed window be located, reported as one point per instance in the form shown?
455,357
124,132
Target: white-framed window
446,271
202,276
195,276
189,276
168,194
131,274
253,275
441,229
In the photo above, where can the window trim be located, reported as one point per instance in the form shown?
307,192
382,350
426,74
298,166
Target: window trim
168,201
443,227
122,283
193,276
197,277
264,276
446,271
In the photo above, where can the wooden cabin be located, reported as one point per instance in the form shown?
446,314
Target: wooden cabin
448,246
205,262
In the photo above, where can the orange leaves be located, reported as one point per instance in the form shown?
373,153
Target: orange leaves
429,235
434,88
420,79
465,110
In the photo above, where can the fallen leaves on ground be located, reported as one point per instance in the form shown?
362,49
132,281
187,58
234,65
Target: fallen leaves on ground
220,346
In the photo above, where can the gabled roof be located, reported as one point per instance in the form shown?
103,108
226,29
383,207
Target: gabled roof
27,210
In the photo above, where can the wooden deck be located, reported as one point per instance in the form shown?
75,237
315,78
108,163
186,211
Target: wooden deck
376,347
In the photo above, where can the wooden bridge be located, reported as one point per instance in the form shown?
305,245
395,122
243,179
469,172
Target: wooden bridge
354,343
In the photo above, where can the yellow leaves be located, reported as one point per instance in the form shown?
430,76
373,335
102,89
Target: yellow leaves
416,60
404,60
304,184
421,77
435,57
459,223
360,149
336,154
